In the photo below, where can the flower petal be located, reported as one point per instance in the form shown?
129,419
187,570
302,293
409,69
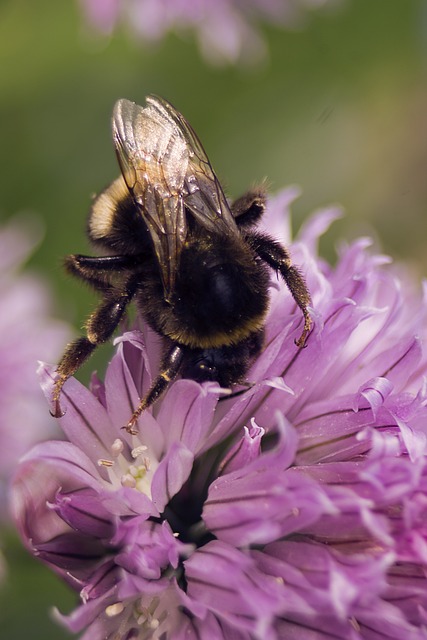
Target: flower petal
171,474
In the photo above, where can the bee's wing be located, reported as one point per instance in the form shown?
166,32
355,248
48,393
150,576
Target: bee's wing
165,167
202,192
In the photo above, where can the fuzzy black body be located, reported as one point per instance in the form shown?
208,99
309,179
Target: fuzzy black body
218,306
197,268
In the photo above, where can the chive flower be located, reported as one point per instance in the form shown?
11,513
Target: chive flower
295,509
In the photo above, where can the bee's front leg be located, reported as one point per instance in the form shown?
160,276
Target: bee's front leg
99,328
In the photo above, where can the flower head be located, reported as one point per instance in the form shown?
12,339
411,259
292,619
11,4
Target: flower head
295,509
28,332
226,30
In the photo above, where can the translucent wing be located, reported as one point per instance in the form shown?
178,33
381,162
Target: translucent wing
166,169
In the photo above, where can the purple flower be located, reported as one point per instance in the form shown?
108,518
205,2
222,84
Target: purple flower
226,30
28,332
297,509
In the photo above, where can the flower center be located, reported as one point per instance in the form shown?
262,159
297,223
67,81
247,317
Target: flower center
183,512
136,475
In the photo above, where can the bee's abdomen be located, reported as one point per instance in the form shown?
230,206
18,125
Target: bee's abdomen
215,296
220,296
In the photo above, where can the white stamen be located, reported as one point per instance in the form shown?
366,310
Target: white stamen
133,470
354,624
105,463
145,616
128,481
138,450
154,623
117,447
148,623
114,609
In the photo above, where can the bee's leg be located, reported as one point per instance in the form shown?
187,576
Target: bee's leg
249,208
97,271
170,366
99,328
278,258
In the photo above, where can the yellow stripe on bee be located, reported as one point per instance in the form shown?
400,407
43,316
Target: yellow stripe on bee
104,208
220,339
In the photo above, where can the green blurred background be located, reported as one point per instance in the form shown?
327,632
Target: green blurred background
339,107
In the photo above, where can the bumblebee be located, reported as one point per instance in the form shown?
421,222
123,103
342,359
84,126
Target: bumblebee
196,266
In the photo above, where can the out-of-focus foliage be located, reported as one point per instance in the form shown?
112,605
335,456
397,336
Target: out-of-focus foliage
339,107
